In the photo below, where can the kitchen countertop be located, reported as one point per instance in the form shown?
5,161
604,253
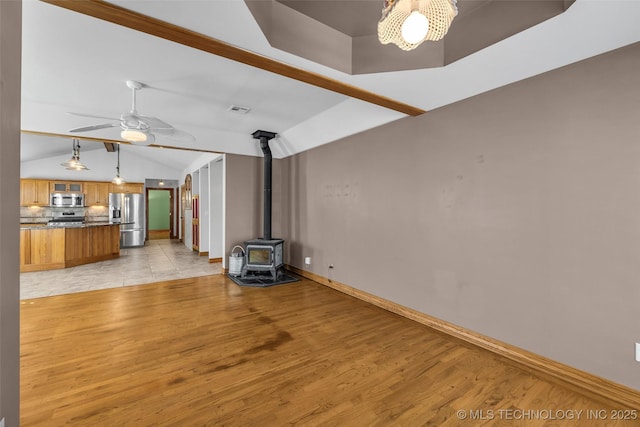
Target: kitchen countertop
39,226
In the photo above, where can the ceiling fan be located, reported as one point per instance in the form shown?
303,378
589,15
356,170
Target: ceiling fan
136,128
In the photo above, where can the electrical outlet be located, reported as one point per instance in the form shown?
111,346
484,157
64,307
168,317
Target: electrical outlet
307,260
638,352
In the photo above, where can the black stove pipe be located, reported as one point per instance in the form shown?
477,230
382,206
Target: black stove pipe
264,137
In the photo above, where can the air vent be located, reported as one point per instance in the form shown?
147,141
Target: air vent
238,109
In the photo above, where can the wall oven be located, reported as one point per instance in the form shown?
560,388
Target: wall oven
67,200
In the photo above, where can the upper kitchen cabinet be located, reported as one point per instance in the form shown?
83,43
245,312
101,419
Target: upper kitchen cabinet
34,192
66,187
96,193
128,187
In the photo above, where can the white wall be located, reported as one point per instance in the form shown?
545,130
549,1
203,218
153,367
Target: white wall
102,167
198,163
204,208
187,240
216,245
194,169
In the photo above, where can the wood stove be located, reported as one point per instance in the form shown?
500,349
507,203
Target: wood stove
264,255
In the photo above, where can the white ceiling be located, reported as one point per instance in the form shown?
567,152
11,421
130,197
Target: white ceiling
72,62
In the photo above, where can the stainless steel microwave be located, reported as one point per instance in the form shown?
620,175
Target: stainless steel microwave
67,200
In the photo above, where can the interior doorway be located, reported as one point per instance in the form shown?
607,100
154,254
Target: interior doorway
160,213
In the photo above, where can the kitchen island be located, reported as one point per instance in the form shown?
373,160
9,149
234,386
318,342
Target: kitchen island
50,247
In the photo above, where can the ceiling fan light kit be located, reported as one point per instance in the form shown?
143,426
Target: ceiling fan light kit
136,128
137,137
408,23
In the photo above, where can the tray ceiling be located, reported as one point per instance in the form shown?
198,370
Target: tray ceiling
344,36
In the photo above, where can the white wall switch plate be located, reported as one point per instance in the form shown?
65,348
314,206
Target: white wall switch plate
638,352
307,260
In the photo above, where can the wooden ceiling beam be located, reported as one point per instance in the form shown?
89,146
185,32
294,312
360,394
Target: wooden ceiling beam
136,21
115,141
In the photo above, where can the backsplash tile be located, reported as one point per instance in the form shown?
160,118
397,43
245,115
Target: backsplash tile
34,214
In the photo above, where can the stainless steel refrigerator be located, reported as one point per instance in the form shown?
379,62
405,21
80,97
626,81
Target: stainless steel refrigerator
128,211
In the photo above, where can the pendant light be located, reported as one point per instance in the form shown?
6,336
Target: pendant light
117,180
408,23
74,163
415,27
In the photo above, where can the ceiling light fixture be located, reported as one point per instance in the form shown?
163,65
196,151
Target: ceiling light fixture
117,180
408,23
74,163
137,137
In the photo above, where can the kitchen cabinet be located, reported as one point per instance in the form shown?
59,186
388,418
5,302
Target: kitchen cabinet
66,187
91,244
34,192
25,247
105,241
96,193
49,248
41,249
128,187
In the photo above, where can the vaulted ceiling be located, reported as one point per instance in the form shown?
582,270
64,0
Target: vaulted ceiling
73,62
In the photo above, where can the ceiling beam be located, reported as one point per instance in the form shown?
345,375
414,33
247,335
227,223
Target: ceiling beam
110,147
115,141
136,21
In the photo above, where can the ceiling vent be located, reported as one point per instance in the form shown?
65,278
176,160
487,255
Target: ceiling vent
238,109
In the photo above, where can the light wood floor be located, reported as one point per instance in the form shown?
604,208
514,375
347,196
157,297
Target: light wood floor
203,351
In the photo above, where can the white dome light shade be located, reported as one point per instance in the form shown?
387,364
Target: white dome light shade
137,137
415,27
133,135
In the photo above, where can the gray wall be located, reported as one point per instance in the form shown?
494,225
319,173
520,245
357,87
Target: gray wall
10,53
515,213
243,211
243,199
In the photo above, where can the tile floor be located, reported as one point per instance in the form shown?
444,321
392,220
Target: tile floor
158,260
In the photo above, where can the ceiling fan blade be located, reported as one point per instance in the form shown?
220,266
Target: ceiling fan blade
92,116
93,127
175,134
154,122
